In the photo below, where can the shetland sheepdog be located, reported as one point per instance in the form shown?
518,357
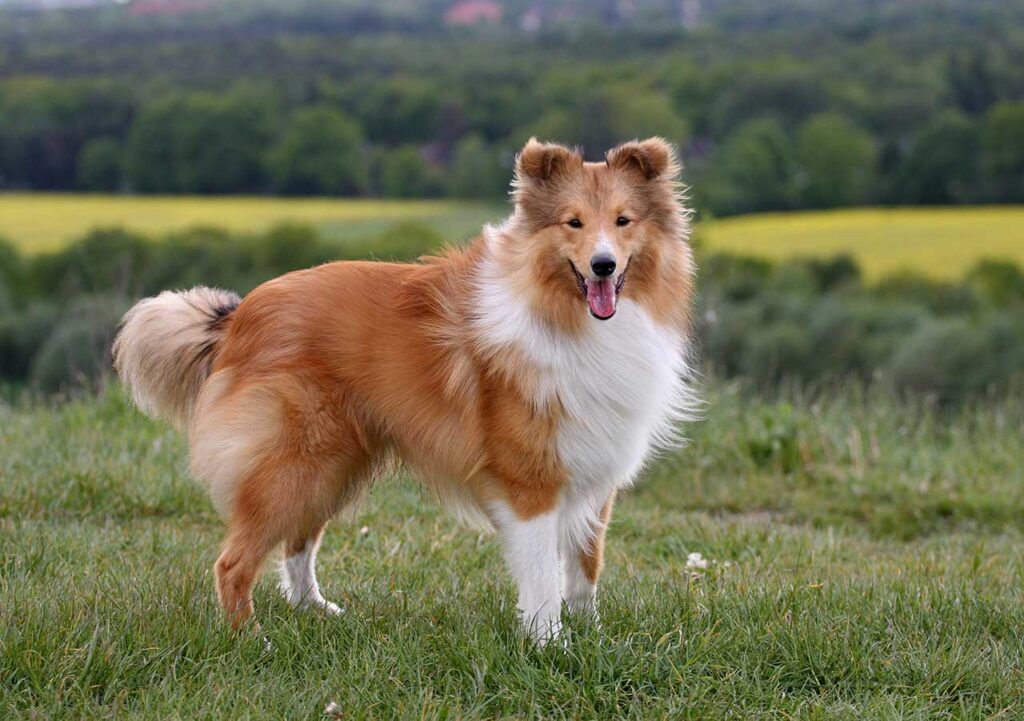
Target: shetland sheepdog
524,378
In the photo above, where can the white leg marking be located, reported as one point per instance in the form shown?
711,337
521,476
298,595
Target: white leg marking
531,551
579,592
298,580
581,526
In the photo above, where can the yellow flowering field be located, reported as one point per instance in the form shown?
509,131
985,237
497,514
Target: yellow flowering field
941,242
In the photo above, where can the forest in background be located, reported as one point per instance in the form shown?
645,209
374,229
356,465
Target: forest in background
775,105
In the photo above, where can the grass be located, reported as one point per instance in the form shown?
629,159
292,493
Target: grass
38,222
867,563
939,242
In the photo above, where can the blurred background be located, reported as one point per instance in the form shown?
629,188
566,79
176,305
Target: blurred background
853,165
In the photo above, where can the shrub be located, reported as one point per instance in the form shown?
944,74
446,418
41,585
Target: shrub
1001,282
402,241
778,351
938,296
953,357
21,335
733,277
78,350
108,260
12,272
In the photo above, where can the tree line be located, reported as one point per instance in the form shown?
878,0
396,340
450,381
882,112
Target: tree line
927,109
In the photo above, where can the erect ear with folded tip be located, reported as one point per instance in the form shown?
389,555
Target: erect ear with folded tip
544,161
654,158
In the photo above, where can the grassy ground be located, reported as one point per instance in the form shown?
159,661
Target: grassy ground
940,242
866,563
37,222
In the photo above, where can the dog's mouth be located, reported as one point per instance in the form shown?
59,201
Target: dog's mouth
601,295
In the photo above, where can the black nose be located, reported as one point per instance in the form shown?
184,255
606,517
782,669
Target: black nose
603,265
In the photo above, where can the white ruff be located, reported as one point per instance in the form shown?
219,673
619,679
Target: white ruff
622,383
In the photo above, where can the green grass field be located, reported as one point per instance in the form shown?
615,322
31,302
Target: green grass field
867,563
940,242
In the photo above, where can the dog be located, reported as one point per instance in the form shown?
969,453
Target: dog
524,378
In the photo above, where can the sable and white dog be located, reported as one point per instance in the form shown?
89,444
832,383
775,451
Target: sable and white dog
524,378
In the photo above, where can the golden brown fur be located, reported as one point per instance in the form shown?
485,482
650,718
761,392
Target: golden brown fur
320,376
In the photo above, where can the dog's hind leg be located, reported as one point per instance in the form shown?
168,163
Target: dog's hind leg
239,566
282,457
298,573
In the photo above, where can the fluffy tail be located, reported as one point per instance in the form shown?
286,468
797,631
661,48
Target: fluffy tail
165,348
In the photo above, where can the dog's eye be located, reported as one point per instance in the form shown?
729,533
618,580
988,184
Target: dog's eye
575,223
621,221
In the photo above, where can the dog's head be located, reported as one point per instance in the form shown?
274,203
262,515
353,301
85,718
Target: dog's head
592,232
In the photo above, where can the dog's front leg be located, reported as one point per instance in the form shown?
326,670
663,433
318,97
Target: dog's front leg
584,528
531,551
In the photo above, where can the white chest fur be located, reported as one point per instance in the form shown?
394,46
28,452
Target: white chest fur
621,388
621,383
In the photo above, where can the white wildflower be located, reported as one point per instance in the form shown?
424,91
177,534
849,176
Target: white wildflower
695,561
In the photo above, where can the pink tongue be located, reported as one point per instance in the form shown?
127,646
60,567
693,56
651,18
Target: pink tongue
601,297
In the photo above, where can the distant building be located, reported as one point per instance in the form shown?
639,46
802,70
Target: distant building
689,13
55,4
473,12
167,7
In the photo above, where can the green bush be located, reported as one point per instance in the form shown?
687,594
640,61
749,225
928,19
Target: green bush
811,319
109,260
803,320
77,351
939,358
1000,282
953,357
402,241
22,332
938,296
777,351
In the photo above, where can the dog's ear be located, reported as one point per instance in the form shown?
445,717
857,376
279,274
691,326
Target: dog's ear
655,158
544,161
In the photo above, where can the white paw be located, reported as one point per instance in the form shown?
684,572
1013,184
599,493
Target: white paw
317,603
584,606
542,632
331,609
310,600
